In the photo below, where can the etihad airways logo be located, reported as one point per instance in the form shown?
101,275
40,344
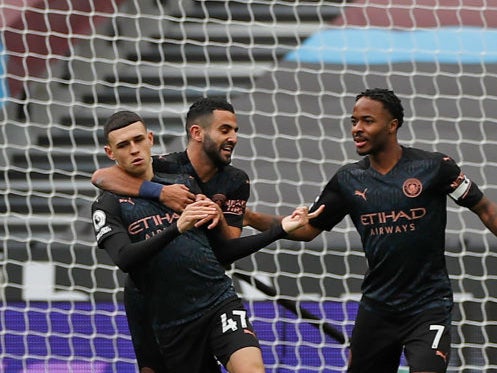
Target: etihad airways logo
388,222
151,224
386,217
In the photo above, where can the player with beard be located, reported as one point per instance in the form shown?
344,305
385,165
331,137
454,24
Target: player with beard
211,129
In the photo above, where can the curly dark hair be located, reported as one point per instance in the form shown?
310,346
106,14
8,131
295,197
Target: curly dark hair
390,101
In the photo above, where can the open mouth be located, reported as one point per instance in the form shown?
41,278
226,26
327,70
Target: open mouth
227,149
359,142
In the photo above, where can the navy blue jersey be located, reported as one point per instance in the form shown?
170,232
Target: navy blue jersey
401,219
179,282
229,187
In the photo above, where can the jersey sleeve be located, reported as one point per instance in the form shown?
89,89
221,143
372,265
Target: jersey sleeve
235,206
335,206
228,251
457,185
112,236
106,217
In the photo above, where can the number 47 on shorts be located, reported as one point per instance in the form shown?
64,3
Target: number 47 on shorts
238,320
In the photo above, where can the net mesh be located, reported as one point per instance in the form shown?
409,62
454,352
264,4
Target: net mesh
291,70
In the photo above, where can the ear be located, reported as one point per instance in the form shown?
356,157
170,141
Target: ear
394,125
109,152
150,136
196,133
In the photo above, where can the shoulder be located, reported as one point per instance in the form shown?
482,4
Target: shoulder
105,196
420,154
105,200
443,163
235,172
170,162
170,157
233,175
233,182
360,165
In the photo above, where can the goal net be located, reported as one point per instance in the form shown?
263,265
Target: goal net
291,69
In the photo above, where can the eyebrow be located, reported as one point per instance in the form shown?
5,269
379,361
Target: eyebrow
137,137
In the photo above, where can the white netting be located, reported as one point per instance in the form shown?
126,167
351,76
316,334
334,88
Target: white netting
292,70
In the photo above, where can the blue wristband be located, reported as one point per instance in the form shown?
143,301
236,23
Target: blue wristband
151,190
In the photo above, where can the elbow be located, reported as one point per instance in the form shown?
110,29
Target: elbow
301,235
96,179
123,265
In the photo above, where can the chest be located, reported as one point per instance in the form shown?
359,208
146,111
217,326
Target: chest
144,218
401,192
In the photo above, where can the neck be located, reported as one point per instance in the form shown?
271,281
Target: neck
385,160
149,174
201,163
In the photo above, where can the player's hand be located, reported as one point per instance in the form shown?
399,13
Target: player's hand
195,212
212,219
176,196
299,217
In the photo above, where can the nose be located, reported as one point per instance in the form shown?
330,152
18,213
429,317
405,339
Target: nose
357,127
134,147
233,137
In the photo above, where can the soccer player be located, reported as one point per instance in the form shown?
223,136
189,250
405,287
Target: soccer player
396,197
196,316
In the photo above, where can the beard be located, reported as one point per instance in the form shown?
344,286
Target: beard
214,153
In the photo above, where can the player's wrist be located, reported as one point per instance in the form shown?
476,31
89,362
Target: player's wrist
176,228
151,190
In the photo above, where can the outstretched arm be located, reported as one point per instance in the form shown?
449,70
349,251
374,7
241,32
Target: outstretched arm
228,251
116,180
262,222
487,212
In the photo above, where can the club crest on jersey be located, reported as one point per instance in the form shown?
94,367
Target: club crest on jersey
412,187
219,199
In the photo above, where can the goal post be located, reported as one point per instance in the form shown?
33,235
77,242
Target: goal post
292,70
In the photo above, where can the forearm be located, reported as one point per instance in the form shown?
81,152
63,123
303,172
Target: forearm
126,254
227,231
228,251
259,220
487,211
116,180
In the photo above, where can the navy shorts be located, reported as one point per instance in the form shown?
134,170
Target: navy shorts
377,342
202,344
140,326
